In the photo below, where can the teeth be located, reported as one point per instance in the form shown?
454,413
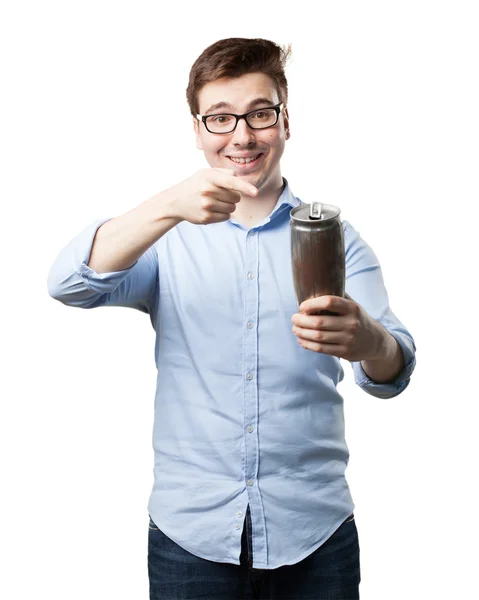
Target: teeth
243,160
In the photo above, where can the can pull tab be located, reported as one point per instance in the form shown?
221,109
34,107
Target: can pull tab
315,210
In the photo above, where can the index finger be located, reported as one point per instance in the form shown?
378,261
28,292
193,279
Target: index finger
331,303
227,179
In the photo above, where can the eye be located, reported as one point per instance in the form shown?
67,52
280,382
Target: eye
220,119
263,116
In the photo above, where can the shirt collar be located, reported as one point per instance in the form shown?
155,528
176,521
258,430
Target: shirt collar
287,198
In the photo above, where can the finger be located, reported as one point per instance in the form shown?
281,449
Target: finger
224,195
331,349
332,303
218,217
226,178
320,336
319,322
217,194
223,207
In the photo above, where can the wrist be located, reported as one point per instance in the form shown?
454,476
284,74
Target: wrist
386,365
165,206
387,346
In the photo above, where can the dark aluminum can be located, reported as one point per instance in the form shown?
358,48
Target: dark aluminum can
317,252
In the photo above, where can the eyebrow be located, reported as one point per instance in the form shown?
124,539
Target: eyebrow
251,104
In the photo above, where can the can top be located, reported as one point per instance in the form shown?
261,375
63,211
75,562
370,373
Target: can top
303,212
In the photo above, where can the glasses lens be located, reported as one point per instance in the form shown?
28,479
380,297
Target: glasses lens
221,123
263,117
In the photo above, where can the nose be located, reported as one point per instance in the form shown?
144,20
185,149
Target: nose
243,135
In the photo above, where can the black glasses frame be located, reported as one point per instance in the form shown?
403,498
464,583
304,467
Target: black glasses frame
277,108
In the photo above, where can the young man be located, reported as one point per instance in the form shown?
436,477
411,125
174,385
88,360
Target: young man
249,498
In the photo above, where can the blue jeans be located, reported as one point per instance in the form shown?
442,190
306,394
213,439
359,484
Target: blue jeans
330,573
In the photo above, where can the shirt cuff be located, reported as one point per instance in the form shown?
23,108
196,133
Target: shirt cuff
97,282
401,381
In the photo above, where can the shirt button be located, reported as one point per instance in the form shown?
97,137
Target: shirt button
237,526
239,514
250,324
250,482
250,429
252,232
250,275
249,376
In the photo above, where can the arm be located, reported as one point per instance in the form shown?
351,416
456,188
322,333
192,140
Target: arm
390,361
388,372
120,242
114,262
363,330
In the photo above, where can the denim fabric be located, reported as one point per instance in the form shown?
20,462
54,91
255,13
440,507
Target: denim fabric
332,572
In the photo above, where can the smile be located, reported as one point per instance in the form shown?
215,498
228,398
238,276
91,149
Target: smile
245,161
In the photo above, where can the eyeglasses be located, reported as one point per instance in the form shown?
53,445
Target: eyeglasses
259,118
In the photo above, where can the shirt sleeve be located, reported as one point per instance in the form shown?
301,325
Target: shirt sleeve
72,282
365,285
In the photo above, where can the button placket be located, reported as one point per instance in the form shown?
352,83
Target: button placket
250,346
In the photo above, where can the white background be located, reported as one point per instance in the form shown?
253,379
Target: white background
384,119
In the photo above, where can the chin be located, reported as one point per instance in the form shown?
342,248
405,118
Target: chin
257,179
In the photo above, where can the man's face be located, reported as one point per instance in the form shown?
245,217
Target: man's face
238,95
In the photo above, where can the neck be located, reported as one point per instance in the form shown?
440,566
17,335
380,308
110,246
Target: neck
251,211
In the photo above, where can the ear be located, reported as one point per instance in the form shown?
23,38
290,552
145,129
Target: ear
286,124
196,129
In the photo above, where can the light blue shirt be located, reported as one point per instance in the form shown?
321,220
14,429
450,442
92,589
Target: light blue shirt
243,414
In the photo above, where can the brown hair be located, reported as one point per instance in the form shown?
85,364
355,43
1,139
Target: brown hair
233,57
